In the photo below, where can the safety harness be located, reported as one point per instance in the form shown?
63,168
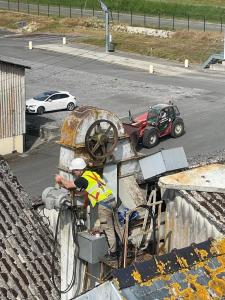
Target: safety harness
96,189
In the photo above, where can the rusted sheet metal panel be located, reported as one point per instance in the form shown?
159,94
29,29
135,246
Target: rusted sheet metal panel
130,193
110,177
124,151
209,178
129,167
77,123
65,157
12,100
188,222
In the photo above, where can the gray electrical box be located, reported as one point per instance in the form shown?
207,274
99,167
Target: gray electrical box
91,248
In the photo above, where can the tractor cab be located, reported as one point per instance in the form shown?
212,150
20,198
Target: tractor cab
160,120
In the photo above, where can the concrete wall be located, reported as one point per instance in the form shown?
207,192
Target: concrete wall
11,144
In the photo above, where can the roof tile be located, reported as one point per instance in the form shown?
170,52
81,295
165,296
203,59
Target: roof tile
201,274
25,244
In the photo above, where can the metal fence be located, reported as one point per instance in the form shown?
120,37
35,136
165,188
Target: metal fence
129,18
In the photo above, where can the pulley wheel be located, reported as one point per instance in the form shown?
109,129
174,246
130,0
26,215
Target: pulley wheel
101,139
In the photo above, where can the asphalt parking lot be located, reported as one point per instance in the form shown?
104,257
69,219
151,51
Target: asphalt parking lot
199,96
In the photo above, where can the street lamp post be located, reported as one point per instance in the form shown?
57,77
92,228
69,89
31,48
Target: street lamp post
106,11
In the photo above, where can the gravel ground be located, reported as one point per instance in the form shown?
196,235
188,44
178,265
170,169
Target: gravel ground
207,158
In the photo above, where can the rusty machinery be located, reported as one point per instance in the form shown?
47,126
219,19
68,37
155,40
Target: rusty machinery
99,137
96,134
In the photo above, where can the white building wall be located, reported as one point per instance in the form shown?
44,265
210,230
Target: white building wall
11,144
12,107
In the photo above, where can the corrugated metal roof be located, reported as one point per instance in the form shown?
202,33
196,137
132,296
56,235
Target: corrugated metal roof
212,205
195,272
25,244
13,61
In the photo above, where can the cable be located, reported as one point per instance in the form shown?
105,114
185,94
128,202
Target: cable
76,250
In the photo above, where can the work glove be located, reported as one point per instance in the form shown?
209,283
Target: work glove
58,178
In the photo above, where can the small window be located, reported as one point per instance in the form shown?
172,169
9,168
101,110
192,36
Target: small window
63,96
57,97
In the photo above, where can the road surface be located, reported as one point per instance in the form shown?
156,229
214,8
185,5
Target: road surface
200,96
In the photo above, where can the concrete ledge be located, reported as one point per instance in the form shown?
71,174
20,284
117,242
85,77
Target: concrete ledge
49,132
217,67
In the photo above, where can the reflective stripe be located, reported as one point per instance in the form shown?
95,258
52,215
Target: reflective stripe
96,189
97,179
92,189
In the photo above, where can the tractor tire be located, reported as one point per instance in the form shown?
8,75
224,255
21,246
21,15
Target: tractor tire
177,128
150,137
40,110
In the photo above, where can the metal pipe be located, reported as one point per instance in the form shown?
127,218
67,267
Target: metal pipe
107,31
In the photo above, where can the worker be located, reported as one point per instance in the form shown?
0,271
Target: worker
91,184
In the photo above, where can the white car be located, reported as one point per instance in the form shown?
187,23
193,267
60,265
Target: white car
49,101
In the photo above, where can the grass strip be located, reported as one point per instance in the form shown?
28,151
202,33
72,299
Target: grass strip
197,10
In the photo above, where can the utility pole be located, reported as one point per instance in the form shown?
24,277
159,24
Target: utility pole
106,11
224,47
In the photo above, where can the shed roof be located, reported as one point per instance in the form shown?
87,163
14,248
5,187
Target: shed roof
209,178
13,61
194,272
204,188
25,244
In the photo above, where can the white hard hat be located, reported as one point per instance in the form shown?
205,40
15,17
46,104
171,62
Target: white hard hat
77,164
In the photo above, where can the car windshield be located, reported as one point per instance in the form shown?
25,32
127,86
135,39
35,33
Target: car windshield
153,115
43,96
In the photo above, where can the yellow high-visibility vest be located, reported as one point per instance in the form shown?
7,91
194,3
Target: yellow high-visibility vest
97,190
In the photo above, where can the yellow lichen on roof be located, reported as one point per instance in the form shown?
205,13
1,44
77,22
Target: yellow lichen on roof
194,278
193,291
203,254
137,276
160,277
218,286
160,267
218,247
182,262
116,282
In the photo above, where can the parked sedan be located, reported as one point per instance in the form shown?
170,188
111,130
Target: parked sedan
50,101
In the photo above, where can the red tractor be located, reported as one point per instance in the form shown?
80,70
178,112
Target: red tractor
160,120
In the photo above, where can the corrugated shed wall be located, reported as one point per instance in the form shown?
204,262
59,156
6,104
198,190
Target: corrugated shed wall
12,100
187,223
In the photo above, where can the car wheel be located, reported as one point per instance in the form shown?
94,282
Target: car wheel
71,106
40,110
177,128
150,137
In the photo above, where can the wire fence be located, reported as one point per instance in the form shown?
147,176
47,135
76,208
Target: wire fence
129,18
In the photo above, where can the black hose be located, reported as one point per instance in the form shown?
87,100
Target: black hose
74,233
